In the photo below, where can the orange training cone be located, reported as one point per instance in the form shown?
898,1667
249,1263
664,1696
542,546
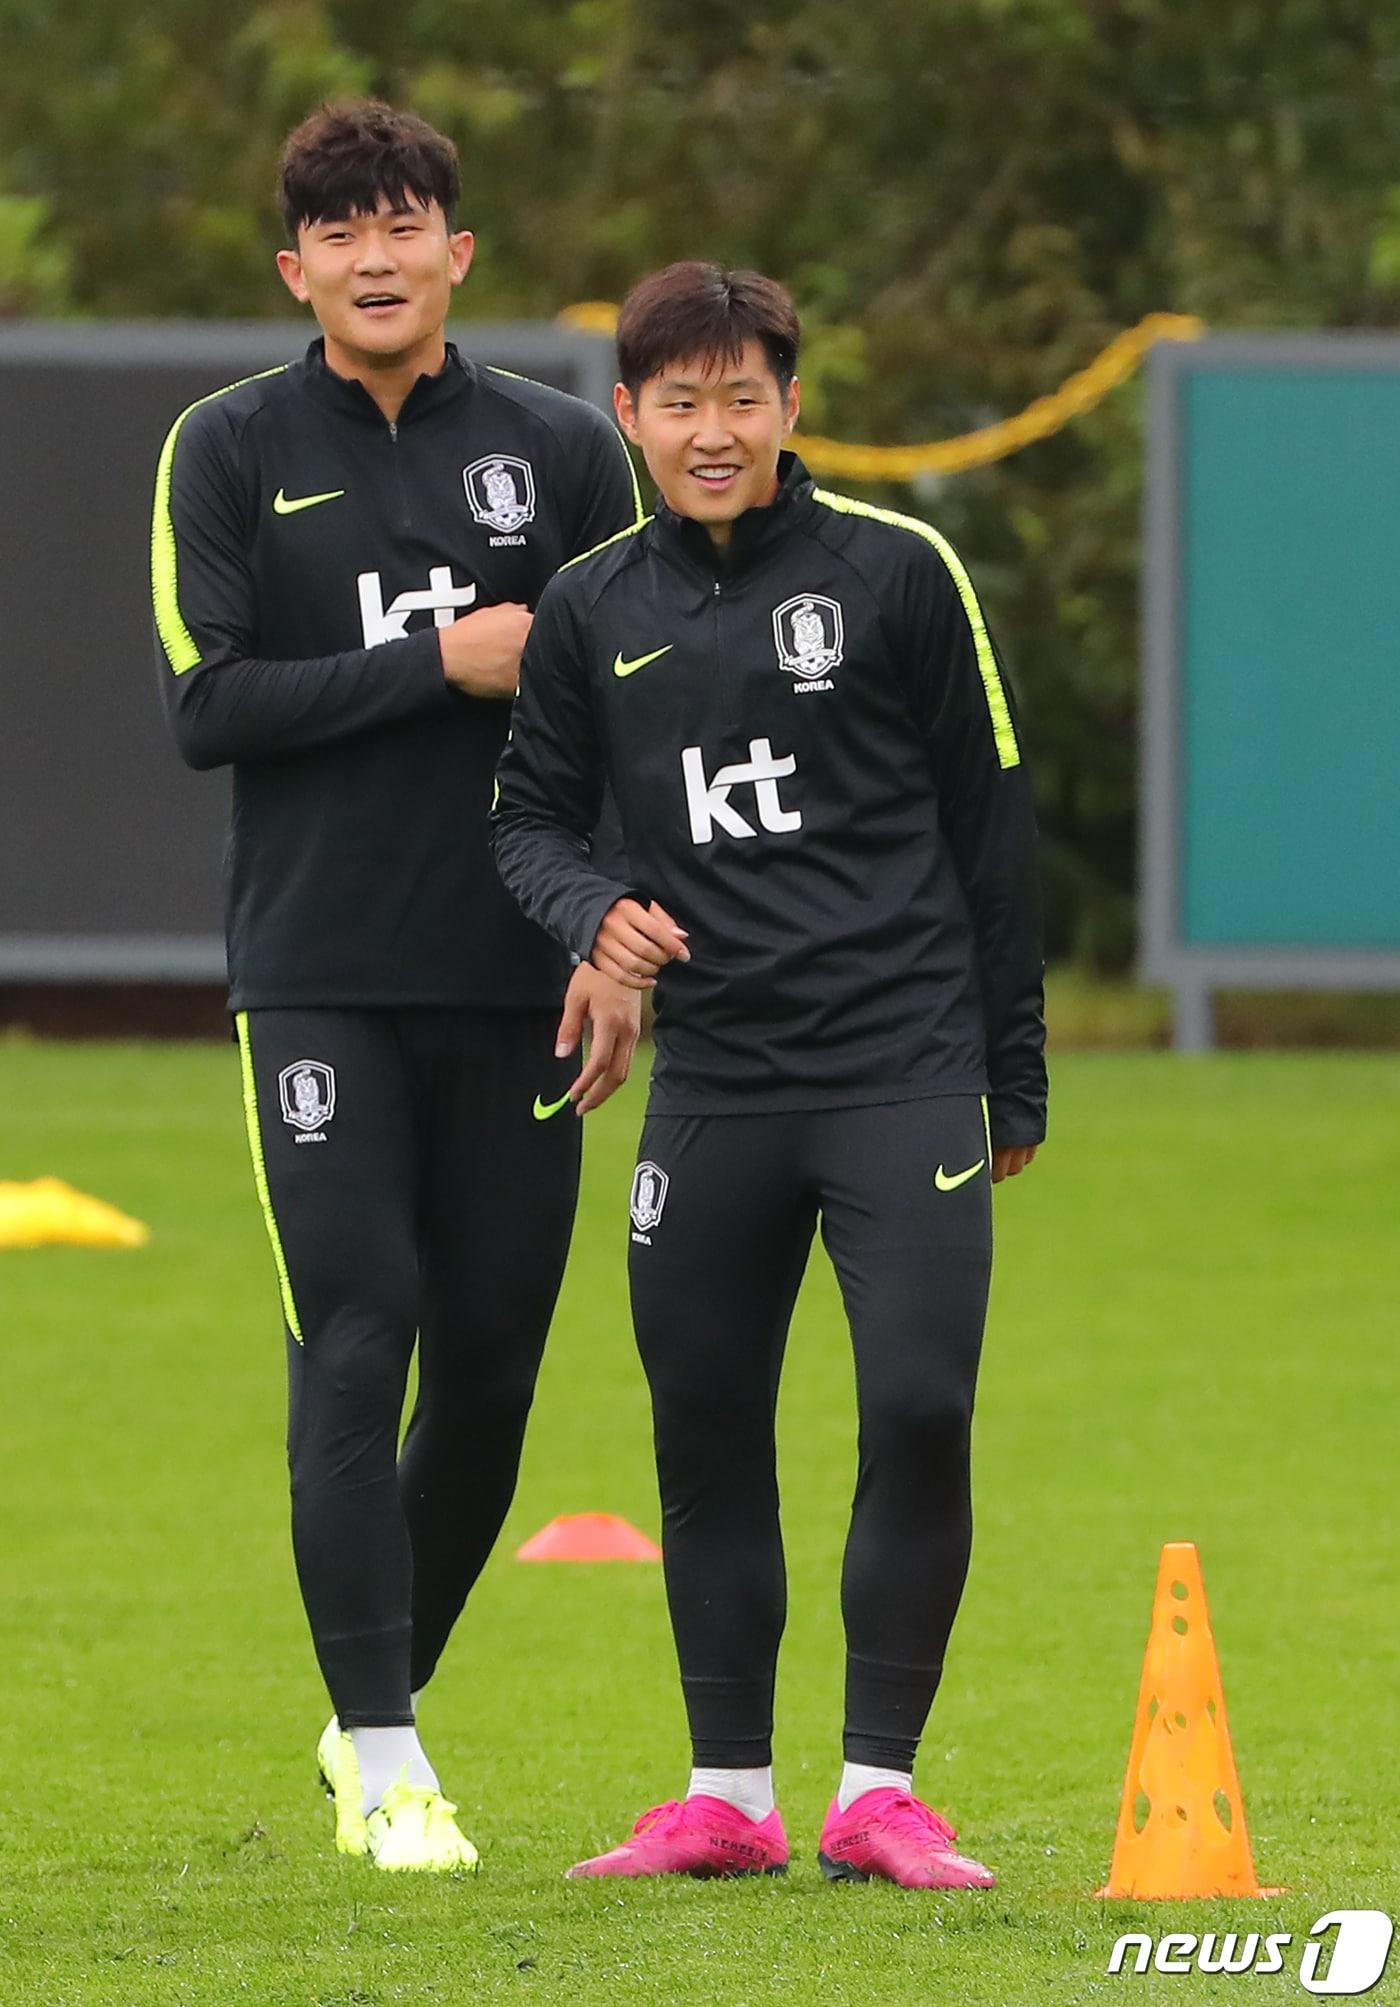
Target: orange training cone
589,1536
1181,1829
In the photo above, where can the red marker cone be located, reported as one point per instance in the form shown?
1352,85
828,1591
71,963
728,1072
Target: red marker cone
589,1536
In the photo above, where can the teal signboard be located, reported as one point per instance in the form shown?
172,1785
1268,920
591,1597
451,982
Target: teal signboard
1271,715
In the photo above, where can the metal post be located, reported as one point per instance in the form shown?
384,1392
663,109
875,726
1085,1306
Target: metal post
1193,1018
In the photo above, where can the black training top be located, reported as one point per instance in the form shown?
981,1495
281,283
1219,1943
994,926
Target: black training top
304,553
820,776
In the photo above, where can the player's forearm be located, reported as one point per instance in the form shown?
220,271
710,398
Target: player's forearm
1016,1059
545,868
996,852
236,707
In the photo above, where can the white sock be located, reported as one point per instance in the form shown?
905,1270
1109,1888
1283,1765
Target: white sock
384,1756
749,1791
857,1778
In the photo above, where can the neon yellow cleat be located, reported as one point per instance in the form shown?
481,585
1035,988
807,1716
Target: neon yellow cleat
414,1827
340,1773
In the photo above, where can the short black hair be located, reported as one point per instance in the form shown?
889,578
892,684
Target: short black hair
698,309
350,155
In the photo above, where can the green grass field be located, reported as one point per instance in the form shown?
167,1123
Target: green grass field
1192,1336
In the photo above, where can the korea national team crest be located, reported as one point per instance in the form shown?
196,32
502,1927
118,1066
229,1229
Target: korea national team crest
649,1187
501,492
809,633
307,1088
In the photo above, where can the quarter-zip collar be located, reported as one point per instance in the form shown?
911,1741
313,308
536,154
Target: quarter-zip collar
753,536
349,398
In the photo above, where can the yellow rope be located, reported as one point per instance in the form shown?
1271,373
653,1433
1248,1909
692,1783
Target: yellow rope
590,317
1079,393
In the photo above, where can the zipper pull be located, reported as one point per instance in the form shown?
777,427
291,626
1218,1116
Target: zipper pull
394,430
716,588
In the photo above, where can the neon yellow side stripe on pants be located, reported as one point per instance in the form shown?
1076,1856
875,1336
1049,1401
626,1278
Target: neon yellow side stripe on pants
987,1126
255,1145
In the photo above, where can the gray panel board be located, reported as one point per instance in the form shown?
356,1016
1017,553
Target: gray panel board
110,850
131,958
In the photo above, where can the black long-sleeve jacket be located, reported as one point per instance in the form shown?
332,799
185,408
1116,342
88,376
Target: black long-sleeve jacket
820,776
304,554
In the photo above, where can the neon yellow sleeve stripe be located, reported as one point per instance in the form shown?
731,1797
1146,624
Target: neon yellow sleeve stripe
639,512
1003,731
181,648
516,377
254,1122
616,538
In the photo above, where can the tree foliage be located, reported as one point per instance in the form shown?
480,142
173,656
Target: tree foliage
968,197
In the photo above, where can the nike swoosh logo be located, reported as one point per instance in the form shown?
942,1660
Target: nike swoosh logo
542,1114
947,1184
282,507
621,668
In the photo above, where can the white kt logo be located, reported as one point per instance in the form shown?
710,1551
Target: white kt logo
708,801
443,600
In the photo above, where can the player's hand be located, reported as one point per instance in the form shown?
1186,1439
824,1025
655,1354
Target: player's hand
481,651
613,1016
635,942
1011,1163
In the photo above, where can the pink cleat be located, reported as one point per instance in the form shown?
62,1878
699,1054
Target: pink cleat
895,1838
695,1836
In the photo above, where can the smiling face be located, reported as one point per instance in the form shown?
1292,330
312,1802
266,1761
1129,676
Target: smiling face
380,285
711,432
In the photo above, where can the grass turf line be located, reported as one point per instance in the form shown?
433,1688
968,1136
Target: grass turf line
1191,1337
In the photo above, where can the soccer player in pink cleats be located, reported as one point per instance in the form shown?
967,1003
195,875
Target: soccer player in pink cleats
697,1836
821,774
889,1835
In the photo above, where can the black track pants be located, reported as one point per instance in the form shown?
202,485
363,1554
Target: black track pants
723,1213
410,1193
